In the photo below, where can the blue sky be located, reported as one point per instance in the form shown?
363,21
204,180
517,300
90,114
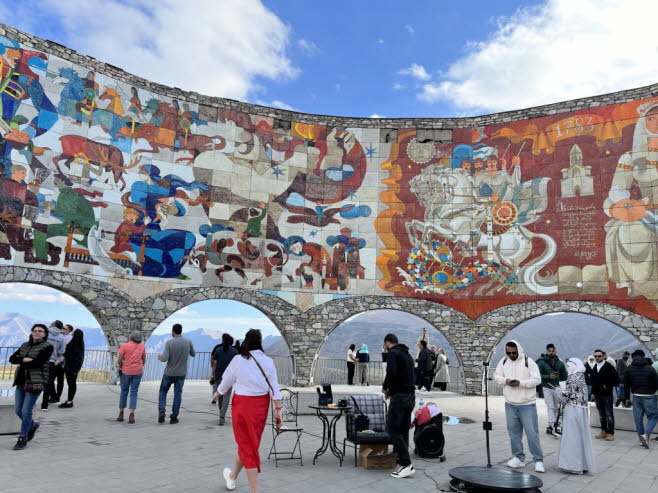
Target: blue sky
386,58
47,304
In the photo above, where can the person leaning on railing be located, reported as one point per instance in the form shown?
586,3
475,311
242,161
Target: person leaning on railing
31,377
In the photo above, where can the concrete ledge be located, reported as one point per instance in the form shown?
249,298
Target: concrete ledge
623,418
9,422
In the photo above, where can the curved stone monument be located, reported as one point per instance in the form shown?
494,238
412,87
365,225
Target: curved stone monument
139,199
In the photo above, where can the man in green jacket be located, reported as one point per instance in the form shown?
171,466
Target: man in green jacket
552,372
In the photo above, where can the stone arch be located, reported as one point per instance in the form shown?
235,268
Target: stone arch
323,319
103,301
157,308
499,322
508,317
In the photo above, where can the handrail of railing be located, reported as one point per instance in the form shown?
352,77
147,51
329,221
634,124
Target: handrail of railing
97,367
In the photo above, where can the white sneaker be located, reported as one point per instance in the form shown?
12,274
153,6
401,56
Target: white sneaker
404,472
515,463
539,466
230,483
644,441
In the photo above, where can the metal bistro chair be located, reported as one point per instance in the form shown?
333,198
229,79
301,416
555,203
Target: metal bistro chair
290,402
375,408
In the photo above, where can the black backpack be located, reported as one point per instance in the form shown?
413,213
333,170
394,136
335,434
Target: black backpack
362,357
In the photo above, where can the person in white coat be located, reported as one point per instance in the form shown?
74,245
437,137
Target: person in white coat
520,376
576,455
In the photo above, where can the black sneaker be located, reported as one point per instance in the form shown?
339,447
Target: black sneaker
655,439
222,421
161,416
21,443
33,431
66,405
173,420
549,430
54,400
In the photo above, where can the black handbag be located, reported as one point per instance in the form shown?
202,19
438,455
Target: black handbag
361,421
32,388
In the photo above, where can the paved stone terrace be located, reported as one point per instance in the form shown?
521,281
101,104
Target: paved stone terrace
84,449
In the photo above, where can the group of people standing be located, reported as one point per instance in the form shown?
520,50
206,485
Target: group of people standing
50,355
431,365
430,368
566,389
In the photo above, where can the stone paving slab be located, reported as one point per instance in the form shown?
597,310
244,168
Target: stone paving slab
84,450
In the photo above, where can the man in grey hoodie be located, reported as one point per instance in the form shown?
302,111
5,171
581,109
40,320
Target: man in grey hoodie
57,341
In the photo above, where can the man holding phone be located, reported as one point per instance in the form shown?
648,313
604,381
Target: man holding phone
520,376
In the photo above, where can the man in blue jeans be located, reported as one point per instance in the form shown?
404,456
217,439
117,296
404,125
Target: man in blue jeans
176,353
641,380
520,376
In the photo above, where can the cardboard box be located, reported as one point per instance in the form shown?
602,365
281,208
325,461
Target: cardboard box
376,456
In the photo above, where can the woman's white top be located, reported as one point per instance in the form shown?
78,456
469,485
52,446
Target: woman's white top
351,356
246,379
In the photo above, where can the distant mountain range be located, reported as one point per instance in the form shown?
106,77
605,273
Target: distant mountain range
15,330
574,334
370,328
205,340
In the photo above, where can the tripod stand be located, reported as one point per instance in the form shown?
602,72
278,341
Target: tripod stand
472,479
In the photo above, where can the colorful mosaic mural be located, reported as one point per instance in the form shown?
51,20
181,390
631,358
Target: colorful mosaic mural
109,180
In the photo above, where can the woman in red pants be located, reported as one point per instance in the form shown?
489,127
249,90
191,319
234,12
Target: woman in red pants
253,379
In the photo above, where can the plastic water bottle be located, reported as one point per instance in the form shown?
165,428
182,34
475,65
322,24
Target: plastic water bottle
421,403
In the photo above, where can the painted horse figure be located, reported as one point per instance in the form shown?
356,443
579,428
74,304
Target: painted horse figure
456,213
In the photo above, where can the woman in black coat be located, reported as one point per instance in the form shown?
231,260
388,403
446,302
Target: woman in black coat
30,378
74,356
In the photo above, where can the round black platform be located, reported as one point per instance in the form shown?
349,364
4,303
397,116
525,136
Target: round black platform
488,479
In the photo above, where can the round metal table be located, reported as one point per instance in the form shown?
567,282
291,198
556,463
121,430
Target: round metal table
472,479
329,430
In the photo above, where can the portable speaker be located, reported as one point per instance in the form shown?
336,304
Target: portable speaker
429,440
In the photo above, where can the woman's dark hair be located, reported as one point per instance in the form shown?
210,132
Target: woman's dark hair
253,341
41,326
227,341
78,338
352,347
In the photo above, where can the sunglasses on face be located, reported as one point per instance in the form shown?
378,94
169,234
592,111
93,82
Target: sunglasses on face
511,353
597,356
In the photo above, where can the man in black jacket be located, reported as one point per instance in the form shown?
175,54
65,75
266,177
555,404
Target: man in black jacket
604,379
424,366
399,386
641,380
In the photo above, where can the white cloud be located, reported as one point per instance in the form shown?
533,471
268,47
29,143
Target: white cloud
416,71
410,29
33,293
308,47
376,115
276,103
558,51
398,86
380,41
215,47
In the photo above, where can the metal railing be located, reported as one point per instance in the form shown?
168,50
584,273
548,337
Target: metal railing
334,371
98,367
95,368
198,368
